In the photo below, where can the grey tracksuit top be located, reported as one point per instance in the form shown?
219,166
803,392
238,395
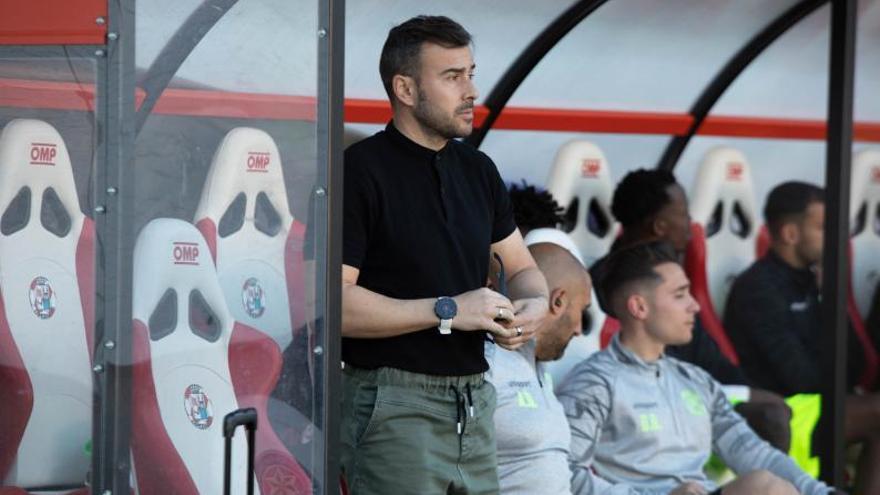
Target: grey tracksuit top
645,428
531,433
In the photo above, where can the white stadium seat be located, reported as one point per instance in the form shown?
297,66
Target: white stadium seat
46,312
256,243
725,225
865,222
580,181
192,365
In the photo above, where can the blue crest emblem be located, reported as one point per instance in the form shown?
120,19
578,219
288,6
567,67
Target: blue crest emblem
253,298
198,407
42,298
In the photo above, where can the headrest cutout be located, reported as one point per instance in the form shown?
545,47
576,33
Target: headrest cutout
740,225
203,322
860,219
233,218
266,218
877,220
713,226
163,320
586,322
53,214
570,217
17,213
597,221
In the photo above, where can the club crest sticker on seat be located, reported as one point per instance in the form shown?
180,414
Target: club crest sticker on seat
193,364
46,311
255,241
580,181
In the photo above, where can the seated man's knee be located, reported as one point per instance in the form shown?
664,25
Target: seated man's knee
761,481
771,421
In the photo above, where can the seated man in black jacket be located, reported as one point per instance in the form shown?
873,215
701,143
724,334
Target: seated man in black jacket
774,319
652,206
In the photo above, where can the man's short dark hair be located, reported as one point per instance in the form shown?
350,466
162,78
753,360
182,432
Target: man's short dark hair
788,202
632,265
640,195
534,208
400,54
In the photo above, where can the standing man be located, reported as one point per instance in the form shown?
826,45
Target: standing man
531,429
423,212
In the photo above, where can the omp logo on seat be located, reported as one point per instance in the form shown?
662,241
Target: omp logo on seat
185,253
590,168
43,154
875,174
258,161
734,171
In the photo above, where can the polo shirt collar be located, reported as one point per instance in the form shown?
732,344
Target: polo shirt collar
408,144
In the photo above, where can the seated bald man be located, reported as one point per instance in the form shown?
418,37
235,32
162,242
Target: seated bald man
644,422
530,428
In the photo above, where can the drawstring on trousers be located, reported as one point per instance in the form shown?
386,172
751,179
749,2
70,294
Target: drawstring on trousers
461,406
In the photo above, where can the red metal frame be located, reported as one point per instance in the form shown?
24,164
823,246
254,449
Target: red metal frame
23,93
53,22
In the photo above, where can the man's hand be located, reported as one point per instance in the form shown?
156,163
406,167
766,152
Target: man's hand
480,308
689,488
530,314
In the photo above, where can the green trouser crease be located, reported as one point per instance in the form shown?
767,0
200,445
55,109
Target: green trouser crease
405,433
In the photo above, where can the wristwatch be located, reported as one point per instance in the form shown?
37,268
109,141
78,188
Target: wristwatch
445,309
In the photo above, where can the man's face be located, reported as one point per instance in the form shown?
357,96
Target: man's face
676,218
446,92
672,309
812,231
553,337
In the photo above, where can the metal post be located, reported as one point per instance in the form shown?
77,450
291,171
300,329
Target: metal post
834,282
328,231
113,201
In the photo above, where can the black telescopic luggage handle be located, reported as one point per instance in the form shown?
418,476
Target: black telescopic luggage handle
246,417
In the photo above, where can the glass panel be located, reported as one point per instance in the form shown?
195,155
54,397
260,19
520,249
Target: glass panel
644,55
224,169
47,259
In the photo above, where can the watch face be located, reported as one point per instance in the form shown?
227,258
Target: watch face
445,308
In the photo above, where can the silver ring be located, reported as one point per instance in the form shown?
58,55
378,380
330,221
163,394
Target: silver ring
519,331
500,314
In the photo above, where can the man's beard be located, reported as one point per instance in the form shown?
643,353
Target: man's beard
435,122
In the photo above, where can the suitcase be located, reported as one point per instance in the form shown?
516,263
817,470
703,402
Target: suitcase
242,417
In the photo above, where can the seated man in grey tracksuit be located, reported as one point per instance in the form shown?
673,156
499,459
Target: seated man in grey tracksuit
645,423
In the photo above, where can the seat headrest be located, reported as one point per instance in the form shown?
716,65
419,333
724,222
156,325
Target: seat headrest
35,171
246,169
580,181
723,193
171,254
865,191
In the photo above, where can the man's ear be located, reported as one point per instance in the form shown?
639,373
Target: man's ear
405,90
637,306
790,233
558,301
658,227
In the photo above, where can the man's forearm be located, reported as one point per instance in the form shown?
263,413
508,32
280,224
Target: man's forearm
368,315
528,283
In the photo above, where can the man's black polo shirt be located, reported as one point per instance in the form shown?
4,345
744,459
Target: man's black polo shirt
419,224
